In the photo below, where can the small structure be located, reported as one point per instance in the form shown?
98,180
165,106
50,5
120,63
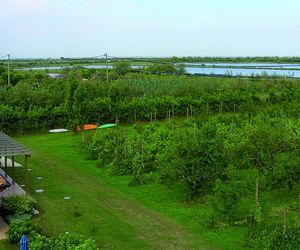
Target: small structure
109,125
11,148
56,76
85,127
58,130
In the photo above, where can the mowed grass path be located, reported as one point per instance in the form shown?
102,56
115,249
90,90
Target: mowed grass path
96,209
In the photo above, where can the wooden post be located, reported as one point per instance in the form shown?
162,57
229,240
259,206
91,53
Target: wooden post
5,165
169,113
194,130
284,221
191,108
187,112
12,168
151,117
134,115
155,115
26,172
234,107
173,112
256,192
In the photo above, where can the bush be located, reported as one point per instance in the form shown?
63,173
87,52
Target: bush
195,157
39,242
18,228
17,217
71,242
264,237
230,194
17,204
66,242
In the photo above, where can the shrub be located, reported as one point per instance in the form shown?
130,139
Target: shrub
71,242
18,228
17,217
229,194
39,242
195,157
17,204
267,237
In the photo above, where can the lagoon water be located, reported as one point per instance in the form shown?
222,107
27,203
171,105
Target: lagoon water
252,65
213,69
242,72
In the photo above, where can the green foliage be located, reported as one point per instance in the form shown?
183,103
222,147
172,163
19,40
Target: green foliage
236,130
199,154
194,156
18,228
70,242
163,68
256,211
18,204
66,241
122,67
38,242
127,152
229,193
169,201
79,107
268,144
273,237
71,86
31,104
17,217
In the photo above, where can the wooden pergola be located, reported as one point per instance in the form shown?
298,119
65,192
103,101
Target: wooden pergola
11,148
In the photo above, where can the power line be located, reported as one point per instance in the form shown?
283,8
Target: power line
101,56
15,58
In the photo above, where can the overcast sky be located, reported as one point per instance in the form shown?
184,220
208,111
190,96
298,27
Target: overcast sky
75,28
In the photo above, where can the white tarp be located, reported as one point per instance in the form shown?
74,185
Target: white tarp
58,130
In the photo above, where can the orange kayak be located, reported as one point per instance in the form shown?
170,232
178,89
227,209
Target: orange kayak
85,127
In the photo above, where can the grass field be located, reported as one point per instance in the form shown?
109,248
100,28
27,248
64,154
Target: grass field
5,245
106,209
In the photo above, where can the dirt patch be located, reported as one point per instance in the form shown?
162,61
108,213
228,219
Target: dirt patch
3,229
142,237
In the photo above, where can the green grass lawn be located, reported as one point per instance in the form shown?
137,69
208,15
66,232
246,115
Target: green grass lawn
106,209
4,245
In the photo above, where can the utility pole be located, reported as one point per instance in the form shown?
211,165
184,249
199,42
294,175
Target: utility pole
8,70
106,67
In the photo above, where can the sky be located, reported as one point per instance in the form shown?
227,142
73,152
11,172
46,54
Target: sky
83,28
